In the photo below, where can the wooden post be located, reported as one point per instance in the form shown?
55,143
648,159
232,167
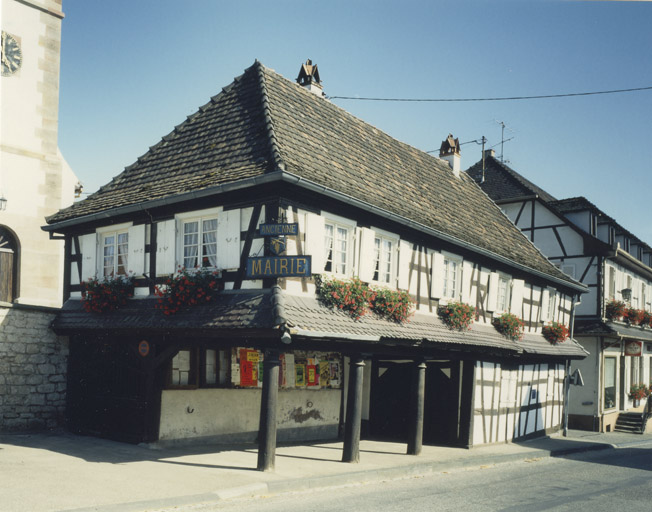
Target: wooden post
351,452
415,439
268,406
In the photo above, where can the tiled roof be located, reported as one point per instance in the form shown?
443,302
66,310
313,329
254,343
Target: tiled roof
246,311
263,123
611,329
502,182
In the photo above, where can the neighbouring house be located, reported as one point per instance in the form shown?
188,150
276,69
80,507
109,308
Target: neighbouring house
613,321
35,182
278,198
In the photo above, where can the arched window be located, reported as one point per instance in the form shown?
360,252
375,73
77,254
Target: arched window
8,265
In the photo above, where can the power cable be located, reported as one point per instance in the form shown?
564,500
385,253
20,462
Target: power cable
507,98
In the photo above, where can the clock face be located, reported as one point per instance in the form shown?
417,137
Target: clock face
12,57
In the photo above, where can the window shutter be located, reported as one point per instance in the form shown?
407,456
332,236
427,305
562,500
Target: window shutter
492,293
136,260
437,284
89,245
404,260
516,304
228,239
314,235
165,242
367,255
467,274
545,302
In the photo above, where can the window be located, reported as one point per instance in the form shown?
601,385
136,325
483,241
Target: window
8,266
452,277
336,247
612,283
200,243
384,258
198,367
552,302
504,289
609,382
114,251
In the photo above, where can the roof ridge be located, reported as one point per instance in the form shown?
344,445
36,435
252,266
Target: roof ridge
267,114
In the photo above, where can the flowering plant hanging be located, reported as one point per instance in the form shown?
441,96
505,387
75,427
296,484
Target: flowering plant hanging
615,309
187,288
555,332
510,326
638,391
357,298
457,315
633,316
106,293
391,304
646,321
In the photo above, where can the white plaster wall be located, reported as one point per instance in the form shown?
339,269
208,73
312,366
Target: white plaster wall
544,217
223,412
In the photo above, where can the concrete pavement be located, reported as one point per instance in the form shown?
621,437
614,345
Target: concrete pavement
63,472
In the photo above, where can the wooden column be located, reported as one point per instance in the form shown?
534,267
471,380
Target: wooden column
351,452
417,403
268,406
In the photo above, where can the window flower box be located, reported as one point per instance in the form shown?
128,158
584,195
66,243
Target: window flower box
188,288
457,315
510,326
106,293
555,332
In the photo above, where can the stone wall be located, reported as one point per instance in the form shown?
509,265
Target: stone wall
33,362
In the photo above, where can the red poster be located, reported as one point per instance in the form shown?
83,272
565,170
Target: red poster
312,377
248,376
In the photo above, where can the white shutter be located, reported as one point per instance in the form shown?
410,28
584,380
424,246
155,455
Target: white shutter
136,260
165,247
545,302
367,260
492,293
516,305
89,246
404,260
467,274
437,281
228,239
314,234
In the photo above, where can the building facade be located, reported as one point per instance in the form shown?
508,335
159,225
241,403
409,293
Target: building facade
35,182
277,194
614,264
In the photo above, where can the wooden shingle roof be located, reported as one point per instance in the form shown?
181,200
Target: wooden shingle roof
263,124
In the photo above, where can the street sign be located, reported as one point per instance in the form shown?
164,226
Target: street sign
279,229
279,266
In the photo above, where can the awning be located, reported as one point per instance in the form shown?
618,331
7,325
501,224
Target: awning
612,330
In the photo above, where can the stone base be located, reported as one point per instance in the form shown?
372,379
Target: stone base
33,362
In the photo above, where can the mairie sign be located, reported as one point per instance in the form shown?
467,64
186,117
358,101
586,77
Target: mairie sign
279,229
279,266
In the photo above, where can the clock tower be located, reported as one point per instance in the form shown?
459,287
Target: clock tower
35,180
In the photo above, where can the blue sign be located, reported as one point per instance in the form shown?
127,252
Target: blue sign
279,266
279,229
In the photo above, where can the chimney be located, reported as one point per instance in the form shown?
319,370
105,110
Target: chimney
450,151
309,78
489,153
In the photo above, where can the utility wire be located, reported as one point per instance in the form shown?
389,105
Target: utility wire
507,98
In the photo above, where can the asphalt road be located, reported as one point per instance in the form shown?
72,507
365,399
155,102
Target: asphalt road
600,481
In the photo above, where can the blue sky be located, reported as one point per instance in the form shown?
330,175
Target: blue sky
132,70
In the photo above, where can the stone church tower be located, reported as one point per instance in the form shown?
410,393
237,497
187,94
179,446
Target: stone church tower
35,181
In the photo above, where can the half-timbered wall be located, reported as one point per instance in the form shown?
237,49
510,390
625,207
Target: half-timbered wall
617,278
413,266
517,402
